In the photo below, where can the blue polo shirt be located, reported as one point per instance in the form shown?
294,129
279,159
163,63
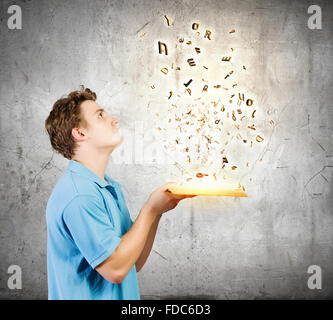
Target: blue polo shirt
86,218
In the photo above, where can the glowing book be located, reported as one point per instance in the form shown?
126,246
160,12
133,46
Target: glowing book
212,189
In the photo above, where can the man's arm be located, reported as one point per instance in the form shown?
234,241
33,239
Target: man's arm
148,246
120,262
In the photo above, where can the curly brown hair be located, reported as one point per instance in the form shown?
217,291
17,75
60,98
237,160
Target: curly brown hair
64,116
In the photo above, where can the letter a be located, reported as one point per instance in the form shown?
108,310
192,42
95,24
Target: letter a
314,21
314,281
15,281
15,21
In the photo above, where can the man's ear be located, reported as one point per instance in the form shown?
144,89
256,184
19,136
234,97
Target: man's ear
79,134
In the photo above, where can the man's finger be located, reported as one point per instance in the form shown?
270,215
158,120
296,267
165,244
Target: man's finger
181,197
168,185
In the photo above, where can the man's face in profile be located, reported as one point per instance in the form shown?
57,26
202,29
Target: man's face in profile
101,129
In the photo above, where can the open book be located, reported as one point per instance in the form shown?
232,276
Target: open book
205,189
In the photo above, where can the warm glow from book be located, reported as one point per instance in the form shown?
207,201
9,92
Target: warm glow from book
208,188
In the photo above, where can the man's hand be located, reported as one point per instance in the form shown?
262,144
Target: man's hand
162,200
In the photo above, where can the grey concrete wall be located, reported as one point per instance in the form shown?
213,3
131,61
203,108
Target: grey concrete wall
223,248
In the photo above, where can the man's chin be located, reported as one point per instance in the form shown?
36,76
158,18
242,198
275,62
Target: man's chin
121,139
118,142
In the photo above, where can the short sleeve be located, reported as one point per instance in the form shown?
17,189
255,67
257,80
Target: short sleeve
91,229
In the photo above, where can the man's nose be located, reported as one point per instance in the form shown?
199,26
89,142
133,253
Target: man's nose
114,121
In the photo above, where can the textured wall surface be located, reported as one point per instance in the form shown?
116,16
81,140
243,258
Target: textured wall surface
220,248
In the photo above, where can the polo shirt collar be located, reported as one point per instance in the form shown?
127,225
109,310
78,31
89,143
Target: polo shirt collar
82,170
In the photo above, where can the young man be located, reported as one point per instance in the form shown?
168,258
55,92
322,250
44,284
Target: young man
94,249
